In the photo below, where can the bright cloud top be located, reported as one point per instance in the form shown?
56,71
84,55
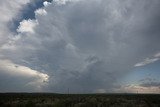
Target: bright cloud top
27,26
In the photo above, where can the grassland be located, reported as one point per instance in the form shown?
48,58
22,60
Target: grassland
78,100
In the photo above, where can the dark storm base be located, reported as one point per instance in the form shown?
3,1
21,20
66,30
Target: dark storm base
78,100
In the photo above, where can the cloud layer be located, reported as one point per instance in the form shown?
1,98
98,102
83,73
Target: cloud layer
20,78
146,85
86,46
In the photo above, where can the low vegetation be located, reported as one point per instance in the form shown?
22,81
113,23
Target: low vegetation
78,100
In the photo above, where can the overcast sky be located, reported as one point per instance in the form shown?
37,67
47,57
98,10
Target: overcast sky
86,46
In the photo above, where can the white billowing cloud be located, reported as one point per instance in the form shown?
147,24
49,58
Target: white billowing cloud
10,10
28,76
40,11
45,3
62,2
27,26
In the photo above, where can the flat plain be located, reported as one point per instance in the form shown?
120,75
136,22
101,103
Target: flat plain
78,100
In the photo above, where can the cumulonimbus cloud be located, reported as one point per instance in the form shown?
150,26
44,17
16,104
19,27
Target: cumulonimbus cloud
87,46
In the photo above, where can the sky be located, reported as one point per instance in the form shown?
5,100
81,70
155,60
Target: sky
84,46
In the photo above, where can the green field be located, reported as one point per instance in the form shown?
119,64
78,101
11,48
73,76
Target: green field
78,100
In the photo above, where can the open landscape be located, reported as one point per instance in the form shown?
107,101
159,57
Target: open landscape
78,100
79,53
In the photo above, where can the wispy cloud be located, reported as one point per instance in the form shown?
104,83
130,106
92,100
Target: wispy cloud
147,61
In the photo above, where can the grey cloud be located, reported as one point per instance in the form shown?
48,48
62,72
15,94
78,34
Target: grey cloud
88,45
151,84
20,78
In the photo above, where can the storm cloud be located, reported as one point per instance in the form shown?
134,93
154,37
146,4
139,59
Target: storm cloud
85,46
